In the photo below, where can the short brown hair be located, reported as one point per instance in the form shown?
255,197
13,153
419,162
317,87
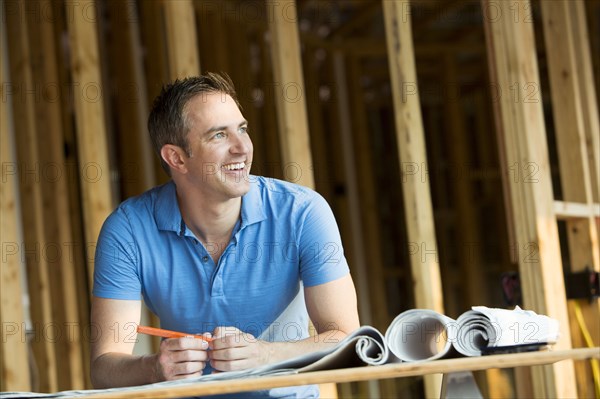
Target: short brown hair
167,123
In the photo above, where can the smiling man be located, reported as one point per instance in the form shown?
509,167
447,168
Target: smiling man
218,251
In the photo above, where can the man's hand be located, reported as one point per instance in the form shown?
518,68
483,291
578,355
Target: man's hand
233,349
180,358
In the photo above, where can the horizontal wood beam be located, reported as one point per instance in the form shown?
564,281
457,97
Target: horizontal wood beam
575,210
397,370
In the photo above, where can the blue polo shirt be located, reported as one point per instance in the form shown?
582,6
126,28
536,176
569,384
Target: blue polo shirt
286,237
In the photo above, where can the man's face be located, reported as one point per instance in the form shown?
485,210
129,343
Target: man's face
221,150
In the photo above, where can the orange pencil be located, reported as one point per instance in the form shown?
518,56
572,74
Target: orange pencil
159,332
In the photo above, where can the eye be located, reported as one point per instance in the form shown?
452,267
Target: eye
244,129
219,135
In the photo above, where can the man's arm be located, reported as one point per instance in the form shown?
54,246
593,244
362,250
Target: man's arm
332,309
112,362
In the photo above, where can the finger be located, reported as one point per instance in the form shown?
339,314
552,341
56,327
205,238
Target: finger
221,332
184,376
187,368
207,335
188,356
229,354
231,365
175,344
237,340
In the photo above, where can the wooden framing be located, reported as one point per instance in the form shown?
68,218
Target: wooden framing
31,201
589,97
14,351
136,158
57,226
354,228
469,241
411,151
568,64
111,75
512,58
182,45
90,123
290,92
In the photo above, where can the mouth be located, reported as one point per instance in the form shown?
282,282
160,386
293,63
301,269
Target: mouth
234,167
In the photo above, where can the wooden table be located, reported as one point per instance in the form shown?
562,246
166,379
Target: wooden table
361,374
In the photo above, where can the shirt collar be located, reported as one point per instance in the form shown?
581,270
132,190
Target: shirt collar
166,209
253,210
168,216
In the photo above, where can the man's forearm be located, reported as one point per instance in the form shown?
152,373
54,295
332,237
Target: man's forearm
112,370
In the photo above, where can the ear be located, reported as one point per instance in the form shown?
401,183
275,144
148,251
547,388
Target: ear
175,157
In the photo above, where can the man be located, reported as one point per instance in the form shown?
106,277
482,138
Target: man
216,251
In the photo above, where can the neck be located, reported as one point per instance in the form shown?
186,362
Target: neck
210,221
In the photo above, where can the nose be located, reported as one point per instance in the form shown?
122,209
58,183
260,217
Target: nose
240,144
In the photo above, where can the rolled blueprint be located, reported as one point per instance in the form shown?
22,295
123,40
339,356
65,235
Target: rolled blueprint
483,327
420,334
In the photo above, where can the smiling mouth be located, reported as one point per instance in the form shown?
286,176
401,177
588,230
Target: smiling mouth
234,166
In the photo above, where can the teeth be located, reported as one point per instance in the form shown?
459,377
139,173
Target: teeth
235,166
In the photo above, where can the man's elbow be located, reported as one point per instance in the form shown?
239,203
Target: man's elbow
97,373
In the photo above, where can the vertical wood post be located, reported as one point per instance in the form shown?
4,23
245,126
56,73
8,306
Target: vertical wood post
412,154
574,124
14,354
136,161
90,124
31,197
290,100
520,123
182,45
57,223
290,92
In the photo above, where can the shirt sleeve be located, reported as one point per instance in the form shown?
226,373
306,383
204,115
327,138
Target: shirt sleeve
320,246
116,261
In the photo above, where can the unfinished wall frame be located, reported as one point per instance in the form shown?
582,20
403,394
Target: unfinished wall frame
325,96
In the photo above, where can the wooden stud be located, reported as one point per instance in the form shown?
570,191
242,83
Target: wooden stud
513,63
78,250
569,91
367,190
290,92
587,90
318,136
469,239
136,155
411,153
57,226
29,172
137,158
14,352
90,124
411,148
152,30
290,96
352,225
182,45
274,162
367,202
